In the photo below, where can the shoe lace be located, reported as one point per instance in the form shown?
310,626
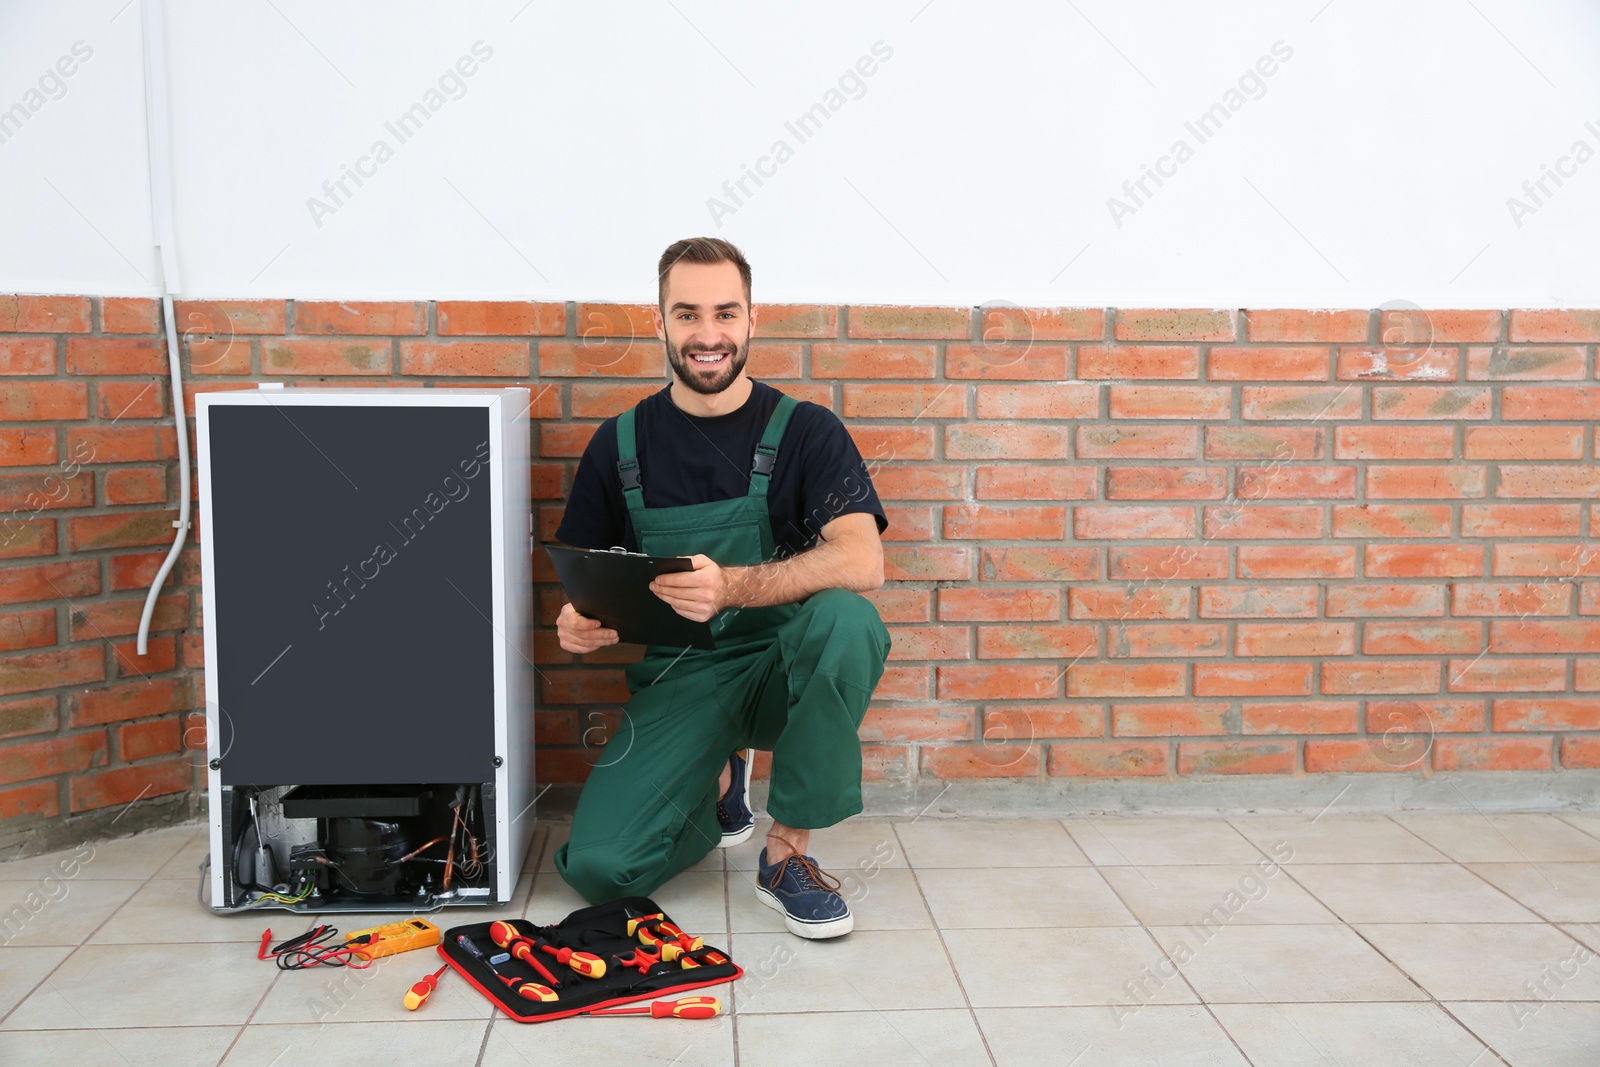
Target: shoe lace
809,875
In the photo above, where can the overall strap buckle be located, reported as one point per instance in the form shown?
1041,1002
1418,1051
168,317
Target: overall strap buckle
766,457
628,471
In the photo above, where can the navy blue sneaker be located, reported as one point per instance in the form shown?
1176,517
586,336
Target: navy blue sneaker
809,899
733,811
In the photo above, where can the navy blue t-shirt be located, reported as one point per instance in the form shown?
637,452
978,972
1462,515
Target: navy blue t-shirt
686,459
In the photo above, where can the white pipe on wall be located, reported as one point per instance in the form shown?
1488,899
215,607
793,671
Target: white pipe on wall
155,114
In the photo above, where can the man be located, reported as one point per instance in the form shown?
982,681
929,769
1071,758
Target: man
773,503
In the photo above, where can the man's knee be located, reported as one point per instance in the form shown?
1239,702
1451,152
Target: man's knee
597,874
592,880
847,613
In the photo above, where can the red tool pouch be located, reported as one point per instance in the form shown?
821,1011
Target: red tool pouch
601,930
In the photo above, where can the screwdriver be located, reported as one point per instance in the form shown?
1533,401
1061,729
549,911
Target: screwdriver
502,932
682,1008
524,988
507,937
531,990
521,948
585,963
417,995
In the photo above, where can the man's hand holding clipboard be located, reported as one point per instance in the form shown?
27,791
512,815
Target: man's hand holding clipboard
614,597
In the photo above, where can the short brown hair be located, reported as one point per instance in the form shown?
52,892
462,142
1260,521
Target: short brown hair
701,250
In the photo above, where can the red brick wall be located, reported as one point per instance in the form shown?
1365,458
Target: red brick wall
1131,542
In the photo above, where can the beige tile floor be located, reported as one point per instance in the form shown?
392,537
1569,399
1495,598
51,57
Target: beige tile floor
1462,940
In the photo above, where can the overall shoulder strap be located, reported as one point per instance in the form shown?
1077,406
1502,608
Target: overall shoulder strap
766,457
628,460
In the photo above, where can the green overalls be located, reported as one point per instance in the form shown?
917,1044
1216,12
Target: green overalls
793,679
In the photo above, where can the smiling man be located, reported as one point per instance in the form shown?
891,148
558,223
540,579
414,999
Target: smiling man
772,501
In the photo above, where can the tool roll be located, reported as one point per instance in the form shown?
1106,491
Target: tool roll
551,971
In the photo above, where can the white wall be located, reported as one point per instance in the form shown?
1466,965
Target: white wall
1375,166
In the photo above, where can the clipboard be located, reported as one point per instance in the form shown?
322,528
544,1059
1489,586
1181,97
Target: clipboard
613,586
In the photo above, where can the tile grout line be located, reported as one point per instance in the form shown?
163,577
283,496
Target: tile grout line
1428,993
1474,874
1227,863
1131,925
483,1044
733,987
880,1013
1203,1003
265,993
972,1013
535,868
1343,922
1562,817
136,892
190,1026
1090,819
277,976
1225,1002
45,979
533,873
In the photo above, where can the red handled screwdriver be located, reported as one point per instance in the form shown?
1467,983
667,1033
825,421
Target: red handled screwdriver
531,990
523,988
418,994
682,1008
587,964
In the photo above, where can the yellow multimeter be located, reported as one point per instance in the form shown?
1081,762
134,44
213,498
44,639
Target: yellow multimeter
391,938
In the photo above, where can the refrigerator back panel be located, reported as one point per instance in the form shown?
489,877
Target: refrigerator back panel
355,542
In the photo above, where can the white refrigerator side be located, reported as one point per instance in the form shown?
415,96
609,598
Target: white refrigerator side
208,607
513,614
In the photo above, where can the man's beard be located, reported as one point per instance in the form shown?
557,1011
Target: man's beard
701,381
